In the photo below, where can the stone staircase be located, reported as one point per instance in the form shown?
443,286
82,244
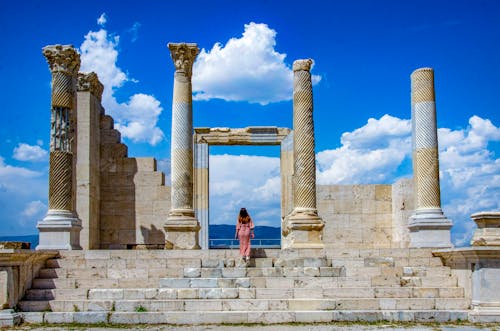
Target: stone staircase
180,287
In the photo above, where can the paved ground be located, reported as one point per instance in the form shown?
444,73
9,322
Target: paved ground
313,327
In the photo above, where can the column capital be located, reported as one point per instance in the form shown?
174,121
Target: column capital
62,58
90,82
183,55
304,64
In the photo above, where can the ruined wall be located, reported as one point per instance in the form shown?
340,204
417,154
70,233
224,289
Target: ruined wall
364,215
134,199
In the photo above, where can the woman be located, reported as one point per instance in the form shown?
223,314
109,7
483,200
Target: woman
244,232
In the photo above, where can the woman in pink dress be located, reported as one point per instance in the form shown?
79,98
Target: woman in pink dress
244,232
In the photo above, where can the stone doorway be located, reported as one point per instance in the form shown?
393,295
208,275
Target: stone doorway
256,136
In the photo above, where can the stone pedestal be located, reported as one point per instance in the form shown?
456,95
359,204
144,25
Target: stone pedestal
181,226
479,265
428,225
488,229
60,228
303,227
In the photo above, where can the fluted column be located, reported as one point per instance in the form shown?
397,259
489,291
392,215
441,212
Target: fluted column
60,228
303,227
182,226
428,225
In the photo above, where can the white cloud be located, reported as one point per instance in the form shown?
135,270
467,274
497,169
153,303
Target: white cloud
25,152
18,187
102,19
244,181
245,69
137,118
370,154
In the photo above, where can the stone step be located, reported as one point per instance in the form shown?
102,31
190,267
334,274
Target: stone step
240,317
264,272
270,293
258,304
50,294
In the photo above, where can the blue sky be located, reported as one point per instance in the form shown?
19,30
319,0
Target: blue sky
364,52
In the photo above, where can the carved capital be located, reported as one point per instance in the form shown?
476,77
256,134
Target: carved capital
62,58
90,82
183,55
302,65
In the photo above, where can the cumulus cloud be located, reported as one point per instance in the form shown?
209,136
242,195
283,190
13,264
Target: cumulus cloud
245,181
370,154
25,152
137,118
244,69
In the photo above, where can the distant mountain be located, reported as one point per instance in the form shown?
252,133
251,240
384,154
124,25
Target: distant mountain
33,239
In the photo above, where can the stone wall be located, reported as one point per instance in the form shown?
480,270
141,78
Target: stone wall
364,215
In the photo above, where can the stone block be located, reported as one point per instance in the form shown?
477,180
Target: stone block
263,262
313,316
205,305
357,304
392,292
415,304
167,293
229,293
187,293
234,272
105,294
452,303
242,282
348,292
192,272
210,293
58,317
246,293
271,293
212,263
33,317
425,292
101,305
175,282
271,317
203,282
451,292
304,293
245,305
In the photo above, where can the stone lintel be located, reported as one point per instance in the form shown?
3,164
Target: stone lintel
257,135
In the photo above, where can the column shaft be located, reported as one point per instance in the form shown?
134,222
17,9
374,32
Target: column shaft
428,225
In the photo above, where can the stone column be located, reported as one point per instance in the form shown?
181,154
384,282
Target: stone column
60,229
303,227
428,226
201,196
181,226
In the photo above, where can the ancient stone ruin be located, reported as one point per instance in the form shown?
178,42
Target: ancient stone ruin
118,245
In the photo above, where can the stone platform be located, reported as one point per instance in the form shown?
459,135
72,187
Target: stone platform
195,287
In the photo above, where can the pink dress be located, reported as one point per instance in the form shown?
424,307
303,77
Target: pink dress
243,230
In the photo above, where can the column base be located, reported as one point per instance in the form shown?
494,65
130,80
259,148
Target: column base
8,317
303,228
60,229
181,230
430,228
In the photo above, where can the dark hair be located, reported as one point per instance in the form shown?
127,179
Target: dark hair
243,213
